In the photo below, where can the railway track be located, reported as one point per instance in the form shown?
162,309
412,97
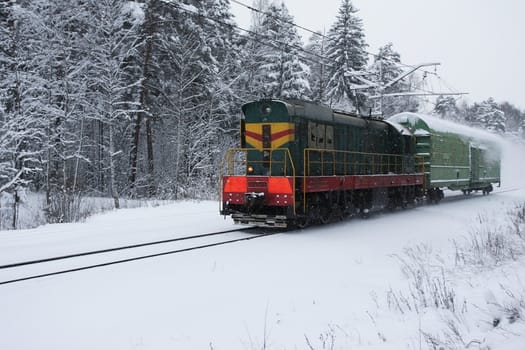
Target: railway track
254,232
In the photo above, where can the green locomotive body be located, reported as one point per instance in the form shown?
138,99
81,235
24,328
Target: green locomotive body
299,126
303,162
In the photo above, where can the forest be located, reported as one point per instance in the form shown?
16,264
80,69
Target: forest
140,99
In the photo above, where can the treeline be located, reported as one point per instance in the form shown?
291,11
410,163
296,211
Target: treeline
496,117
141,98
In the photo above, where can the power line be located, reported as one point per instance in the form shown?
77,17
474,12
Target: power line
317,33
277,17
330,39
296,47
270,42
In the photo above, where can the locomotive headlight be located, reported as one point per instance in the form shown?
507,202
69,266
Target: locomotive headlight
250,169
266,109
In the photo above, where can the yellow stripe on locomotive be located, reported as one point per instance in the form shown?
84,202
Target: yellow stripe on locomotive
269,135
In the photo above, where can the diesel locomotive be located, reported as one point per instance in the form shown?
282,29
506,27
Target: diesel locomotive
301,163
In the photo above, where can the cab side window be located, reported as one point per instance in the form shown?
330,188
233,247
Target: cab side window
329,137
312,135
320,136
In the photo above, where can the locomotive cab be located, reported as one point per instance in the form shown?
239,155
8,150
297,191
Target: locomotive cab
259,185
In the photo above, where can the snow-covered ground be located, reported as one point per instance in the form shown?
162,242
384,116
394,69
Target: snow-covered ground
298,290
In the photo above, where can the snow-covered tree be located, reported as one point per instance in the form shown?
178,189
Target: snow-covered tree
257,17
187,65
346,54
386,68
487,115
446,108
514,116
21,93
212,123
113,39
283,72
65,64
318,68
145,61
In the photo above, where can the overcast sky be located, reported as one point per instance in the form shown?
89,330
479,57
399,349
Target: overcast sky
479,43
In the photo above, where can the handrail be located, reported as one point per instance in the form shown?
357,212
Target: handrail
239,166
327,163
349,163
358,163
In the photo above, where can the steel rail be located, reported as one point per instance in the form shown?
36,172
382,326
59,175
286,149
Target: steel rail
107,250
142,257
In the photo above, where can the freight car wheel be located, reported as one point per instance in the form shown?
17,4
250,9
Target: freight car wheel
487,190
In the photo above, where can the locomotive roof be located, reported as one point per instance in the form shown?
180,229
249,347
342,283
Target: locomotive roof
422,124
400,128
321,112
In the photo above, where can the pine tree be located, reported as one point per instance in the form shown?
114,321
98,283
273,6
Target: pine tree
318,68
211,124
283,74
258,16
514,116
446,108
486,115
346,52
386,68
495,120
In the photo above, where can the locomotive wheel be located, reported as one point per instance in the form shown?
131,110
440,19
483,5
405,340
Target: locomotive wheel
341,213
324,215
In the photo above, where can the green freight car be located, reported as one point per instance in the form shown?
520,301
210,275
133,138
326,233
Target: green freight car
456,157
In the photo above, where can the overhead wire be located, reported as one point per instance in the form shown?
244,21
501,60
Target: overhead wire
270,41
274,43
266,43
319,34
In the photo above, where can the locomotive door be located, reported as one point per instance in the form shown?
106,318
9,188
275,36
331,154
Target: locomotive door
474,163
266,144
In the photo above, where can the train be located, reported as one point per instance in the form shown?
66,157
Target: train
301,163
